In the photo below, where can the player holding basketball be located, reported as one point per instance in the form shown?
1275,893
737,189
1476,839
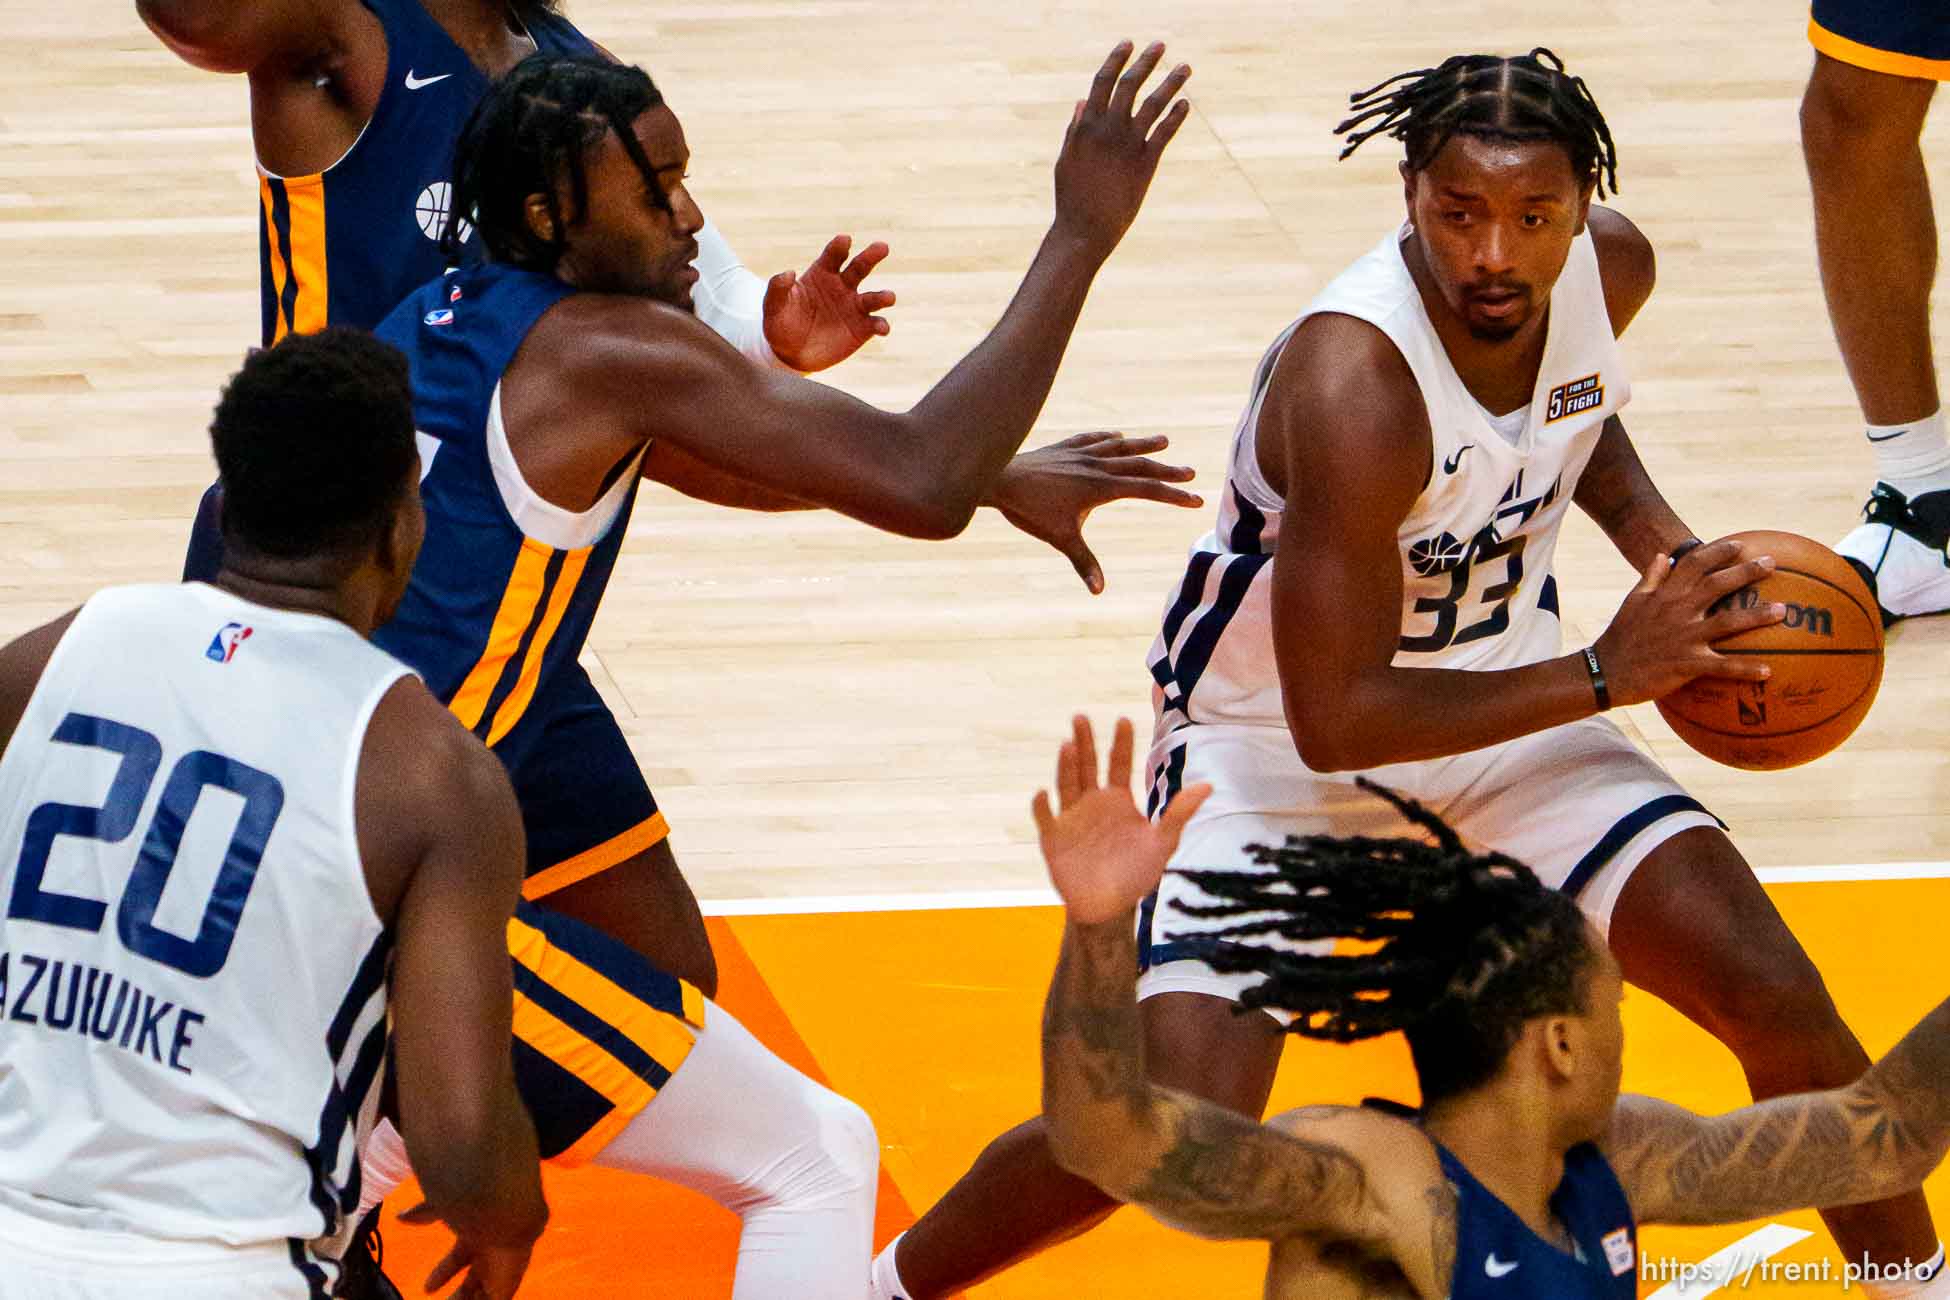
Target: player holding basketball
1877,64
1525,1175
1377,597
356,106
183,1088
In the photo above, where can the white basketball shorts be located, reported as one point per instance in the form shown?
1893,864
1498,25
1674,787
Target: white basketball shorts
1578,804
42,1260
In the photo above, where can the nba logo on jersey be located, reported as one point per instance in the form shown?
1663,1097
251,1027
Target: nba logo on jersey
1618,1251
224,644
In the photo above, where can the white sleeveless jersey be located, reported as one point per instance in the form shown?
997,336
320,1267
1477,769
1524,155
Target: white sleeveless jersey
191,973
1476,547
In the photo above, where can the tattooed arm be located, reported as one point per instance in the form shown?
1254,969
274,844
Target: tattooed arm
1336,1172
1880,1136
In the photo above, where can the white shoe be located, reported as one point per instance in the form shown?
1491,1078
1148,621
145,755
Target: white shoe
1900,549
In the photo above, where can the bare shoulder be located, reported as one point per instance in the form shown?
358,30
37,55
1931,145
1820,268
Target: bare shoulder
1412,1203
1342,398
221,36
22,661
610,340
424,781
1626,264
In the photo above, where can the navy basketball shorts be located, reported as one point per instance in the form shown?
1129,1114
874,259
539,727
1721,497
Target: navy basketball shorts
1903,38
584,802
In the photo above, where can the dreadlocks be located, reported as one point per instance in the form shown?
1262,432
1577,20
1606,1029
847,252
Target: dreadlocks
1457,950
531,135
1525,98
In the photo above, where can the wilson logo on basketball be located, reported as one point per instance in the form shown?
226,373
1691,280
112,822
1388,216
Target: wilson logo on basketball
1579,395
1811,619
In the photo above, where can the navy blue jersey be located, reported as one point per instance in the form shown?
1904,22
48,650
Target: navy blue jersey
343,246
1498,1257
507,583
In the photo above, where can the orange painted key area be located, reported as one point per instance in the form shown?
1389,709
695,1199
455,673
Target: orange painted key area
930,1020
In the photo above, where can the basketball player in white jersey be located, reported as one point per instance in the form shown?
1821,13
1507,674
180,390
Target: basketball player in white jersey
225,820
1377,599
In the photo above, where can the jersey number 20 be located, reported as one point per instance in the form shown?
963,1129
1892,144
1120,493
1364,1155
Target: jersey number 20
135,917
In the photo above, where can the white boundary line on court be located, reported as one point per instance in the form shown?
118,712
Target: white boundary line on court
1045,897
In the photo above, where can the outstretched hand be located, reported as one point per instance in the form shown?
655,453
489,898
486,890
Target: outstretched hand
1049,492
1111,150
818,318
487,1272
1103,854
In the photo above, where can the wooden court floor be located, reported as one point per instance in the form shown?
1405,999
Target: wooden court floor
824,711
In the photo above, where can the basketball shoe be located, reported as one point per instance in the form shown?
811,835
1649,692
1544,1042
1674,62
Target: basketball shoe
360,1277
1900,548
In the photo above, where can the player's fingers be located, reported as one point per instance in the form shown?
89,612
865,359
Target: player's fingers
1144,489
1171,822
1733,622
1155,102
1740,668
862,265
833,256
1118,444
1045,816
1086,743
447,1269
880,326
1145,467
1168,128
1134,78
1100,85
1118,776
777,290
1707,558
879,300
1654,576
1733,577
1084,561
1068,788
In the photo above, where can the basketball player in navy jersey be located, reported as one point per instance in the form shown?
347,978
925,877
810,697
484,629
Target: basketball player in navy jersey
1377,597
1525,1174
180,1105
355,109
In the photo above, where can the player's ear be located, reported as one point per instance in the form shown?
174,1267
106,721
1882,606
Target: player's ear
1563,1046
540,223
1408,189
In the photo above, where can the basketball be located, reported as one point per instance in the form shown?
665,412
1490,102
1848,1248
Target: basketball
1826,658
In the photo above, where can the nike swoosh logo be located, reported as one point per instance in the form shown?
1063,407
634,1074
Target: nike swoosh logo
1454,462
416,83
1496,1268
1887,436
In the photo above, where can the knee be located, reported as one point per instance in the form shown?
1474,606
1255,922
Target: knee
1776,1008
851,1144
1845,119
835,1163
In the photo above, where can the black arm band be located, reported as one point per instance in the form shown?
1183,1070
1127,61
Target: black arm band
1683,550
1598,687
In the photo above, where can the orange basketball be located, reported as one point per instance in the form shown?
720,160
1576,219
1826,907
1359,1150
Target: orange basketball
1826,657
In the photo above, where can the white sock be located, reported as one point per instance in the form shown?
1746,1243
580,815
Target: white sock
1930,1281
1913,458
798,1163
384,1166
885,1284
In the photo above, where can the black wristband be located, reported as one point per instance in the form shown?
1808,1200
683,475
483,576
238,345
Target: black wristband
1598,687
1683,550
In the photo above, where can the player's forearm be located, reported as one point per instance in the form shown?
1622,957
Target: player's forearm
1094,1086
971,423
1400,715
479,1167
1909,1091
731,299
1621,498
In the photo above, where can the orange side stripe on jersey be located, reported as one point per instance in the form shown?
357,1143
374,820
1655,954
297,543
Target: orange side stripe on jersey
665,1037
280,263
601,858
1890,62
531,666
517,610
305,196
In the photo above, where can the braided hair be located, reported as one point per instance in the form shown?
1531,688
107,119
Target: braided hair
532,134
1529,97
1458,950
